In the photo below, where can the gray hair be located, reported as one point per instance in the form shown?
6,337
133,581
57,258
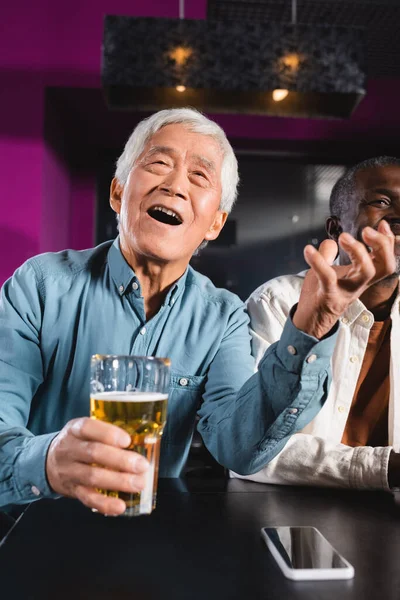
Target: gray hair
346,185
196,122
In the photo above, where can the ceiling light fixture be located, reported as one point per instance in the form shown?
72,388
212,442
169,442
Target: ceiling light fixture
278,95
233,67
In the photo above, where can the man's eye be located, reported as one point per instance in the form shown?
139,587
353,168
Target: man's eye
160,162
200,174
381,202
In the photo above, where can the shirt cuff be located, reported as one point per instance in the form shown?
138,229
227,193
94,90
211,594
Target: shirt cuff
369,467
30,469
298,350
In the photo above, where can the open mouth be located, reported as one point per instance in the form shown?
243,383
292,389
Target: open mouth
164,215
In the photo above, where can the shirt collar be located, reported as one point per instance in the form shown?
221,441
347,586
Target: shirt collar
177,289
120,271
353,311
123,275
356,308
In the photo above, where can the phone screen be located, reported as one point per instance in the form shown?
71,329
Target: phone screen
304,548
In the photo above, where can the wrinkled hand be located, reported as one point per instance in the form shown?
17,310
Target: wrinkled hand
328,289
73,460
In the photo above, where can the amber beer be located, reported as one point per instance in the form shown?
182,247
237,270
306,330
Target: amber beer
142,415
131,392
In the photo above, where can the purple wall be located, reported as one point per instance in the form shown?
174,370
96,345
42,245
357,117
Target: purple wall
83,198
56,196
43,43
47,204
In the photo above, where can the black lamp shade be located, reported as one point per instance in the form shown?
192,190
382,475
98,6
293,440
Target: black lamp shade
232,67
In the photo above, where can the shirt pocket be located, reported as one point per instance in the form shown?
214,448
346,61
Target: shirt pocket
184,399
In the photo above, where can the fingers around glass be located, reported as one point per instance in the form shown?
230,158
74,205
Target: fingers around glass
111,457
90,429
107,505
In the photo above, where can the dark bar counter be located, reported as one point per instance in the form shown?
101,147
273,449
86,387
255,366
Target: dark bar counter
201,543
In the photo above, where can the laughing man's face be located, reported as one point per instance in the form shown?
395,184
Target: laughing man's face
376,197
170,202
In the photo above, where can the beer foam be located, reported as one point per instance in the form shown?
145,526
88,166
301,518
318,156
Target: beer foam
129,396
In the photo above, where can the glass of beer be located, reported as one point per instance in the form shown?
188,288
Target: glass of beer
131,392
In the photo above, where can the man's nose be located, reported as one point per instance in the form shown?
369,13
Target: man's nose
393,214
396,209
176,183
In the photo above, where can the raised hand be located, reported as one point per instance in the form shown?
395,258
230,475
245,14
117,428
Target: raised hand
329,289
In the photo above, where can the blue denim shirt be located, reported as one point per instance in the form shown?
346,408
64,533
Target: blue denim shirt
60,308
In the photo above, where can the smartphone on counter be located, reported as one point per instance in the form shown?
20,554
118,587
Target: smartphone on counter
303,553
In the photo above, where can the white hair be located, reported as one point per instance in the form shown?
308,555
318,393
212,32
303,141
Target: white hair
198,123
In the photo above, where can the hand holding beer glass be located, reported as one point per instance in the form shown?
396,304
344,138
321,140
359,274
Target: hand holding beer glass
131,392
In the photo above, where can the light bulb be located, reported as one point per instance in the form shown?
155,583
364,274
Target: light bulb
278,95
180,88
180,54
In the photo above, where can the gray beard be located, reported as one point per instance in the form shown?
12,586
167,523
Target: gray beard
397,265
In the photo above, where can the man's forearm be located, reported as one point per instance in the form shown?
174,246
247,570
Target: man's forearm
310,460
288,391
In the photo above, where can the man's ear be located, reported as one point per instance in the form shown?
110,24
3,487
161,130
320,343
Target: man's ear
216,226
116,191
333,227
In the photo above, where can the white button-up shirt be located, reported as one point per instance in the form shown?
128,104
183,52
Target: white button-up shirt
316,456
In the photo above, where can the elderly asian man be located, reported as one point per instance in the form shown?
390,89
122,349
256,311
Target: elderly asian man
174,186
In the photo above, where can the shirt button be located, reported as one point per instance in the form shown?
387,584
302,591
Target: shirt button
341,409
292,350
365,318
35,490
293,411
312,358
344,320
135,286
142,331
183,381
353,359
121,288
